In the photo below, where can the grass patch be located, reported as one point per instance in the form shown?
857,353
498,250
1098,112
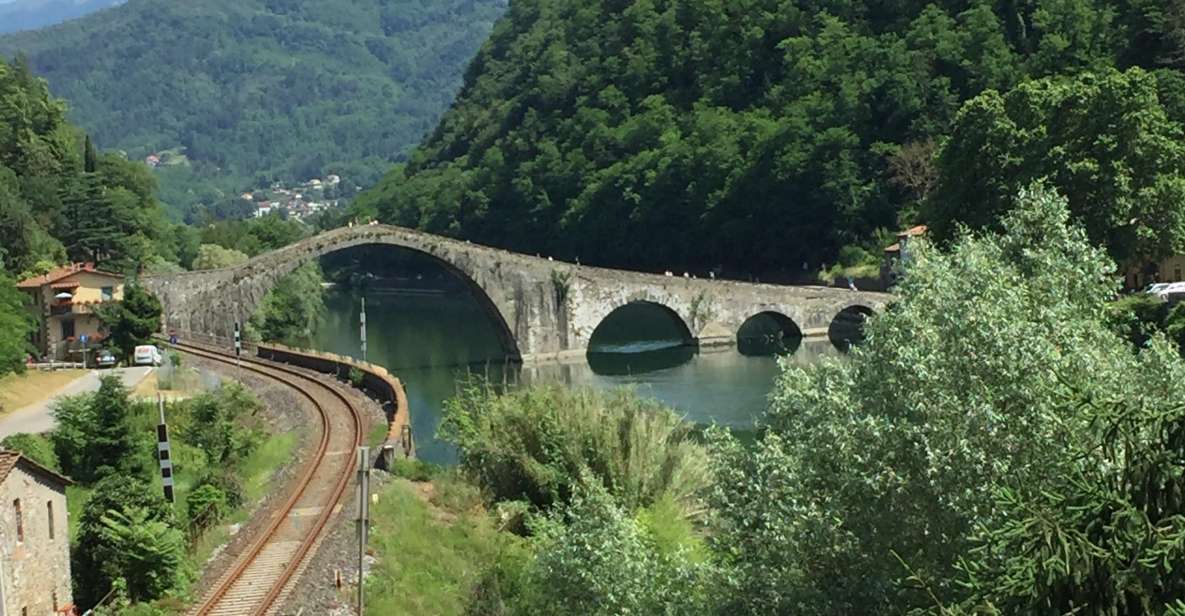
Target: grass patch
430,560
258,468
415,469
377,434
21,390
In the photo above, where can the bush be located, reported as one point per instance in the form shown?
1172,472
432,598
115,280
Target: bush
414,469
356,377
536,443
593,558
35,447
206,506
101,555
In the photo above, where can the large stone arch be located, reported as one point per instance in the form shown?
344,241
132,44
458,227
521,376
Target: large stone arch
230,294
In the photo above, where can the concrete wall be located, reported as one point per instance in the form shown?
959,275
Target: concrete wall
35,570
543,308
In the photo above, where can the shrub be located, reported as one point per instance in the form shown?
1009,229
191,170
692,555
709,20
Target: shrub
356,377
593,558
35,447
414,470
206,506
536,443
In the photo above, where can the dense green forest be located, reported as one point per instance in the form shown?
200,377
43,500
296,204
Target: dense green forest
753,134
246,92
61,199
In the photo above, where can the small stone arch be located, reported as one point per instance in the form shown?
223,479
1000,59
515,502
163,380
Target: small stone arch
679,327
769,333
847,326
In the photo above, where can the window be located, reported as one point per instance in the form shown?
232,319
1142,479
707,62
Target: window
67,329
20,524
107,293
49,512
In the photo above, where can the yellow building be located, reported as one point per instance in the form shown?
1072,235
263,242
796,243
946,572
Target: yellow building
64,302
1167,270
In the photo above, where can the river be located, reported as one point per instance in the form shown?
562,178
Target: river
429,331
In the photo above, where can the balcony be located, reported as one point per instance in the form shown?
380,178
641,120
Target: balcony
66,307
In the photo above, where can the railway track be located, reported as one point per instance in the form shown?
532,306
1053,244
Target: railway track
258,581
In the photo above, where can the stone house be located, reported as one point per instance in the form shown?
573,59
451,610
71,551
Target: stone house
64,303
34,539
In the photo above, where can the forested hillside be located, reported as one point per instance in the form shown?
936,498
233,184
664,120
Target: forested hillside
16,15
754,134
254,90
61,200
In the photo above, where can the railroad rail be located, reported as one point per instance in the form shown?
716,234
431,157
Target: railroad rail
262,575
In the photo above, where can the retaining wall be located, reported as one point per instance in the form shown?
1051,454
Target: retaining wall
377,383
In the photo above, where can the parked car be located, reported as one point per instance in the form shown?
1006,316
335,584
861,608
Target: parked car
105,359
147,355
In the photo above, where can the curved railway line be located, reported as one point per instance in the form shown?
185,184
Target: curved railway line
260,577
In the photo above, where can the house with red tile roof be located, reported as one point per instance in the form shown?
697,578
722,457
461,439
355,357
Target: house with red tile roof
34,538
64,303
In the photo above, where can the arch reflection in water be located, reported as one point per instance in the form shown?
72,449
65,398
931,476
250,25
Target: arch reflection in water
769,333
847,328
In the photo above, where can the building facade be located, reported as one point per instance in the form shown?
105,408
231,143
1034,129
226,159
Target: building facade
64,303
34,539
1170,269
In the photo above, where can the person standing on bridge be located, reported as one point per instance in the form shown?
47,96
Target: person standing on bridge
851,284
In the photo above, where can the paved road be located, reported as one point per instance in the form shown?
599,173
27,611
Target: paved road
36,418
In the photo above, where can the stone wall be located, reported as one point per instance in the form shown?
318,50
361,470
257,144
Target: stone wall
34,573
377,383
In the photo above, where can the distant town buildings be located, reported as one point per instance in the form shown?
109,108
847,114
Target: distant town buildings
297,201
34,539
63,304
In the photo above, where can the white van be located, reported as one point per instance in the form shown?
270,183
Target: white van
146,355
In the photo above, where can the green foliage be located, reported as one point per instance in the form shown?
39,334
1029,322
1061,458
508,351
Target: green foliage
593,558
61,199
356,377
103,554
403,60
414,469
291,312
205,507
213,256
15,326
75,420
537,444
216,425
745,133
1138,317
33,446
1104,140
973,381
255,235
133,321
145,551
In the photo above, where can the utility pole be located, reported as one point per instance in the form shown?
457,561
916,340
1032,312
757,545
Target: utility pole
363,328
363,519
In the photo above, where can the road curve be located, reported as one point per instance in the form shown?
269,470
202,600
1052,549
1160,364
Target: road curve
258,580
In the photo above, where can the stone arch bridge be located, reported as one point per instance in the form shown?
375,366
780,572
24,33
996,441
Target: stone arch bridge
544,308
